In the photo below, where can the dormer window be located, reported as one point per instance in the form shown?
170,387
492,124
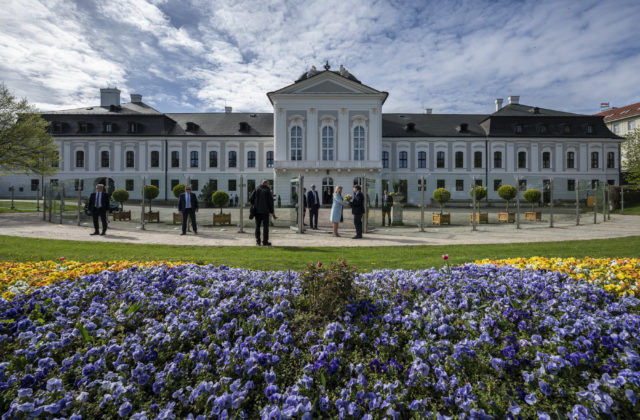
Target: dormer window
134,127
114,108
542,129
107,127
464,127
566,129
589,129
518,128
56,127
192,127
244,127
83,127
410,127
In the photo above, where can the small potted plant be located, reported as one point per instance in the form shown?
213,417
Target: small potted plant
507,193
177,190
480,192
441,195
220,199
121,196
532,196
151,192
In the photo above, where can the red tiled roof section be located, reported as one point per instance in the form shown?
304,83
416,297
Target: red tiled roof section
620,113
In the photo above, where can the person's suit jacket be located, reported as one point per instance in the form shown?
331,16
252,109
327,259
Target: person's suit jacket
311,201
304,199
357,205
182,202
388,202
105,202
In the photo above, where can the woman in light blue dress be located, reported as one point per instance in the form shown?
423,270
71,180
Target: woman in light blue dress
336,209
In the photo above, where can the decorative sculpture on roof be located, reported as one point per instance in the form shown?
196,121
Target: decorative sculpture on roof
312,71
344,72
326,65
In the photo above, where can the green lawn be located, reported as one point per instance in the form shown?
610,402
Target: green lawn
295,258
635,210
20,206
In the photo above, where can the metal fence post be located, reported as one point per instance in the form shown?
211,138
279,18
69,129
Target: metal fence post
12,188
300,205
517,203
595,203
144,180
365,218
551,203
79,199
604,203
61,201
473,204
44,203
50,202
241,222
578,203
422,188
38,197
621,200
608,202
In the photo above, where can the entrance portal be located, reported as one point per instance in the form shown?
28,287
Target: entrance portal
327,190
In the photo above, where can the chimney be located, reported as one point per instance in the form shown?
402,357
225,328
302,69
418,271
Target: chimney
110,96
428,110
498,104
228,109
514,100
136,98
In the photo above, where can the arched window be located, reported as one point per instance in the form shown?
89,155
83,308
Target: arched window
270,159
213,159
327,190
402,163
155,159
104,159
327,142
130,158
546,160
440,159
296,142
571,160
195,159
233,159
79,159
358,143
477,159
175,159
497,159
522,160
251,159
422,159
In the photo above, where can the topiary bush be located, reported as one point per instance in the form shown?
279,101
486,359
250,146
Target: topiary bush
220,199
151,192
532,196
507,193
441,195
481,192
178,189
120,196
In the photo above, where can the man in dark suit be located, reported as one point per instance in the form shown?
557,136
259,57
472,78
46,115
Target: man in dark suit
387,204
188,205
357,209
313,203
262,202
98,206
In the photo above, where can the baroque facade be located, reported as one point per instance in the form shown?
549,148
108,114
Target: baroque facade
330,128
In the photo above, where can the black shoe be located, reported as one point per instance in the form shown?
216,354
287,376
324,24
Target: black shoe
95,233
195,232
266,244
258,243
356,237
103,233
183,233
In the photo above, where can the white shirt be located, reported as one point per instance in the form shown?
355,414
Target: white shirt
187,197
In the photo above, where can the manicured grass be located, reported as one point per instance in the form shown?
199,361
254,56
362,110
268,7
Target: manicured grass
633,210
20,206
296,258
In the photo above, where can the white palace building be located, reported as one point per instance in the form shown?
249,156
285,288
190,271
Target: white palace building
330,128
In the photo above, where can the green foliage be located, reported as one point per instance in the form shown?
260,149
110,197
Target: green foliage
26,144
177,190
507,193
206,192
120,196
532,196
327,290
481,192
441,195
220,199
151,192
631,150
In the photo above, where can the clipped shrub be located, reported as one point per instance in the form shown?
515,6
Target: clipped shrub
507,193
151,192
207,192
178,189
120,196
220,199
481,192
532,196
327,290
441,195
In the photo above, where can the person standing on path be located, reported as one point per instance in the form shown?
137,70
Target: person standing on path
357,209
188,205
98,206
313,201
262,202
387,204
336,209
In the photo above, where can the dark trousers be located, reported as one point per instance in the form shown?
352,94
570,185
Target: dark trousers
313,217
102,214
388,214
262,219
192,214
357,221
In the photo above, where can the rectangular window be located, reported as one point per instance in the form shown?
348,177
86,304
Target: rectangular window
155,159
631,125
611,181
130,157
175,159
129,185
155,183
616,128
270,159
477,159
174,182
213,185
589,129
251,159
546,160
523,185
83,127
571,160
133,127
107,127
497,183
104,159
385,159
213,159
440,160
78,183
403,160
522,160
79,159
497,159
422,159
194,160
594,183
251,185
35,183
195,185
478,183
420,184
459,159
611,162
571,185
440,183
518,128
232,185
595,158
233,161
459,184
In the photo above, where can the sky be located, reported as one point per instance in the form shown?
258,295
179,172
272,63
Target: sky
198,56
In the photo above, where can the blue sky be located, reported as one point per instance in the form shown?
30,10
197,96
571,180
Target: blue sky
197,55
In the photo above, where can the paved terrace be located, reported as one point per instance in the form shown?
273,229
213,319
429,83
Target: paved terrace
31,225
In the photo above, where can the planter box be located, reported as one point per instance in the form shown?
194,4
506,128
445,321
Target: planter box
222,219
534,216
506,217
177,218
152,216
438,219
591,200
480,217
122,215
396,214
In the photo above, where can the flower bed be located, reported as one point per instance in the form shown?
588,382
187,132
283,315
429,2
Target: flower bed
226,343
617,275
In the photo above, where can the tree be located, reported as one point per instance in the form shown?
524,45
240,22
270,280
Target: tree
631,153
151,192
120,196
480,192
507,193
26,144
441,195
532,196
178,189
220,199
